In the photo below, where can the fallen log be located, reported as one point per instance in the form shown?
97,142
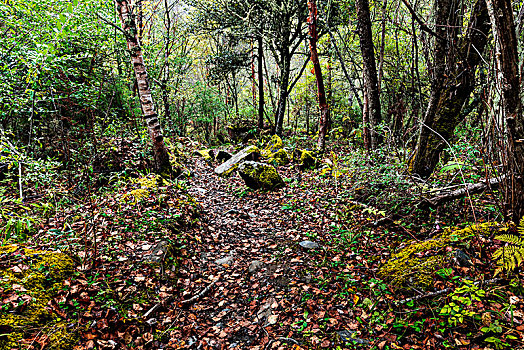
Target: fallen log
466,190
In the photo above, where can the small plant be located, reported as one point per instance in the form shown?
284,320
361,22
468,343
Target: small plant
461,306
510,256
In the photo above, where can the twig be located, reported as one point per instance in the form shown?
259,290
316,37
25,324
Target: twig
199,295
423,25
110,23
20,180
443,291
283,339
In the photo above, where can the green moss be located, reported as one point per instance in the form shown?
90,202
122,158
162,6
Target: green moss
259,175
281,157
31,278
274,145
207,154
306,159
416,264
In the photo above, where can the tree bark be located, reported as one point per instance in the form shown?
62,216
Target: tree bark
146,100
453,80
283,90
369,70
322,102
501,15
260,58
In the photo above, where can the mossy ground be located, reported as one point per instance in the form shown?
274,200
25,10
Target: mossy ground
416,264
30,280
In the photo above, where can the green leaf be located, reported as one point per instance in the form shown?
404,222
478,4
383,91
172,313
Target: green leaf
70,8
63,18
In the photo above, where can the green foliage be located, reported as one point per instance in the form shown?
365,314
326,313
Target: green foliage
510,256
462,304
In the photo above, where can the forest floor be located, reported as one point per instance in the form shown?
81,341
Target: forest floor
209,264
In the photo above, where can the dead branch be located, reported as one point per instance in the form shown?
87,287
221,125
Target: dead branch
199,295
467,189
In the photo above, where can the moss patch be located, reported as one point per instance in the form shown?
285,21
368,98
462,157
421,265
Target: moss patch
29,281
416,264
273,146
207,154
281,157
306,159
259,175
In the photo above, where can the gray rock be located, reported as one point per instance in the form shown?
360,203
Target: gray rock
225,169
223,156
224,261
260,175
462,258
309,245
348,337
255,265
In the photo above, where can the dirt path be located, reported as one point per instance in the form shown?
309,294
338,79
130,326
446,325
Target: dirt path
248,246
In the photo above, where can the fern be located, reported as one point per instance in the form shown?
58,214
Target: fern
511,255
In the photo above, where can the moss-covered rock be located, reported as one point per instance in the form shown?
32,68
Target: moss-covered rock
260,175
223,156
29,280
207,154
306,159
273,146
280,157
416,264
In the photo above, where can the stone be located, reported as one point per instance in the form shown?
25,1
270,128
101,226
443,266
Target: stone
207,154
272,146
306,159
255,265
158,253
223,156
280,157
309,245
462,259
226,168
224,261
348,337
260,175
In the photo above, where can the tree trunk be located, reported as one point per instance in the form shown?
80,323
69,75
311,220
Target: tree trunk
260,83
322,102
501,15
146,100
283,93
450,88
370,70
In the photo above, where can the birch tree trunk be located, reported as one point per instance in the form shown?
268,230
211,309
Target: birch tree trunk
144,92
501,15
322,102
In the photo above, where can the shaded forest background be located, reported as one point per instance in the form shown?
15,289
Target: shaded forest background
411,110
